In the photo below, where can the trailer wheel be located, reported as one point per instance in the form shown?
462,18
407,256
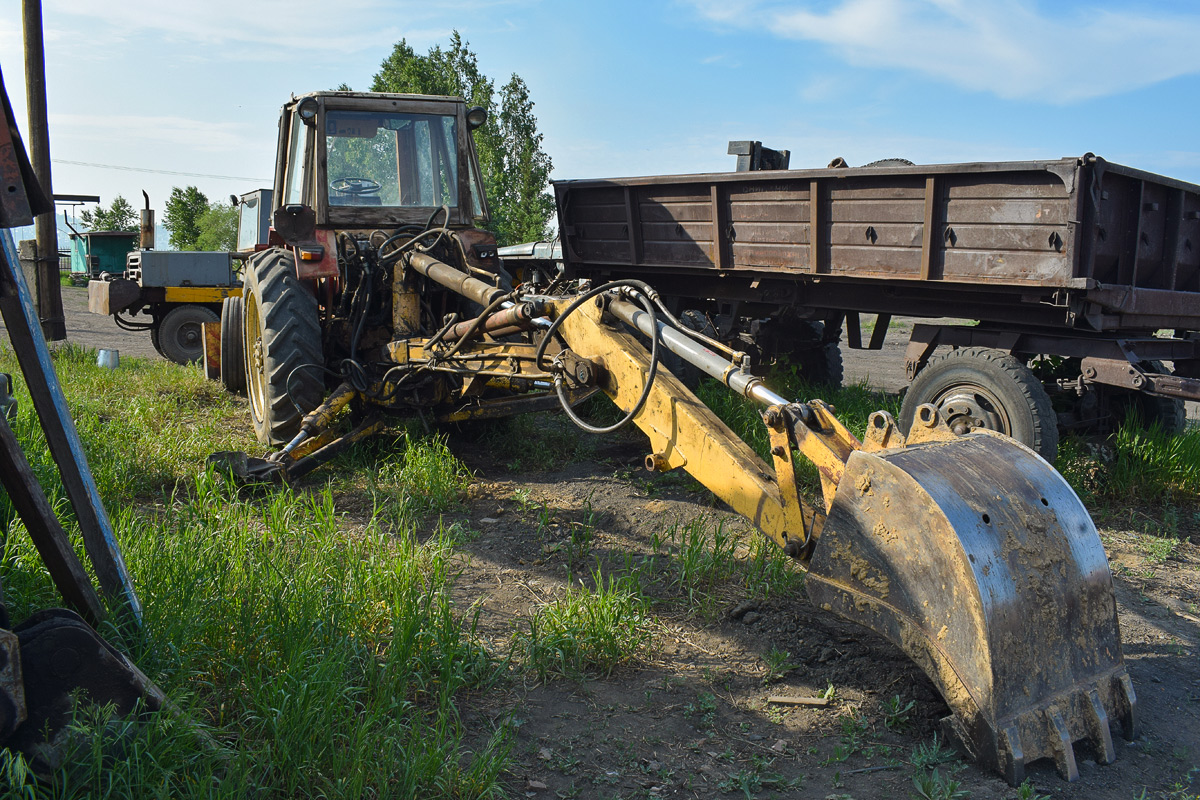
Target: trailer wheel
233,349
820,362
282,345
181,333
1169,413
977,387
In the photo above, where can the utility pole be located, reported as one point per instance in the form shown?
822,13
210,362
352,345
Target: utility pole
49,291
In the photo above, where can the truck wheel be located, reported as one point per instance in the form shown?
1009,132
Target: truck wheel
155,339
181,335
977,387
233,349
282,334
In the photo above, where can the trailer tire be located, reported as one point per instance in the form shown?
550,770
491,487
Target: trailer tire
1169,413
181,333
284,379
233,348
974,385
820,362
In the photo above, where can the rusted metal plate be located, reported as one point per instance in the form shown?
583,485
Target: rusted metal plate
212,350
12,687
977,559
111,297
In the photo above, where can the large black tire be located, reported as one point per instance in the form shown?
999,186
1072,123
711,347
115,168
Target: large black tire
233,346
181,335
283,347
977,387
820,362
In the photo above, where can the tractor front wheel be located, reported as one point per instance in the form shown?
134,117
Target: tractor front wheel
284,362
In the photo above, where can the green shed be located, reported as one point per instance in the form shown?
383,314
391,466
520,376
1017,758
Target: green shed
98,252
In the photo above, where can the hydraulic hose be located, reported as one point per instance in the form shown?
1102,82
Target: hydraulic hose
643,295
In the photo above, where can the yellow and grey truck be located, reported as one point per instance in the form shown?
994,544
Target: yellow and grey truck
172,293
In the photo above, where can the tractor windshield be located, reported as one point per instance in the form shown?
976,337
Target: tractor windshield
391,159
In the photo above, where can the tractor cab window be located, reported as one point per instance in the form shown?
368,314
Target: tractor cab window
297,152
391,159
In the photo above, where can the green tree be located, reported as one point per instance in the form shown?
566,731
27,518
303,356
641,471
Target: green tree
119,216
525,173
515,169
218,228
182,214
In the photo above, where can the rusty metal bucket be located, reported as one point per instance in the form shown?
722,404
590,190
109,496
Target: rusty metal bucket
979,561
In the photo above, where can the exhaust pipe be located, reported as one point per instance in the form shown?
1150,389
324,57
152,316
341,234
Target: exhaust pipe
146,234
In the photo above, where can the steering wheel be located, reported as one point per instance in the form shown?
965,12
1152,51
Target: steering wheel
354,186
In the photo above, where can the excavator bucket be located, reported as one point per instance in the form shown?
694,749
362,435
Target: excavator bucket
976,558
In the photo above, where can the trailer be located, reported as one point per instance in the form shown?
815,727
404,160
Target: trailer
1076,281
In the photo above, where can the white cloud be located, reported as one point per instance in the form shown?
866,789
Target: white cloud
199,135
349,26
1010,48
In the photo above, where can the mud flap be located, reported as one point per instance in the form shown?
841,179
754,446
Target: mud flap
976,558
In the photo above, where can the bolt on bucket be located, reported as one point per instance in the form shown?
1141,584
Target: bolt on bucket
976,558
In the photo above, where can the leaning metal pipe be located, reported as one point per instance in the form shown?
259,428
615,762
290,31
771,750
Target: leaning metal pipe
695,353
455,280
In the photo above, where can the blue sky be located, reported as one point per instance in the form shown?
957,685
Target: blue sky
627,88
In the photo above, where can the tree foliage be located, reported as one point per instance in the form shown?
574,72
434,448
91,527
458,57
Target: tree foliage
516,171
197,224
182,216
218,228
119,216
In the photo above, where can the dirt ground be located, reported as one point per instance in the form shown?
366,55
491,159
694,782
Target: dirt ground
692,719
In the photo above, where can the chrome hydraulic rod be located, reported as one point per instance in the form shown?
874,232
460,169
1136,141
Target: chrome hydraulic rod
706,360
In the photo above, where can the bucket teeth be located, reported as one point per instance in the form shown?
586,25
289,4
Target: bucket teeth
1064,748
978,560
1101,734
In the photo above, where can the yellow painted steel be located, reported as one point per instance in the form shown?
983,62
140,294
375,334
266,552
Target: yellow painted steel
200,294
683,432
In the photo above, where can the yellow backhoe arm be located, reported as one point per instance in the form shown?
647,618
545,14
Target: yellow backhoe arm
970,553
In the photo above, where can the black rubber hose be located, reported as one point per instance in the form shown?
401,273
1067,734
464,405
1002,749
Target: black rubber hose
643,297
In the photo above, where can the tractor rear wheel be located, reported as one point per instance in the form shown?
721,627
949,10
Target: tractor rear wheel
977,387
284,375
233,348
181,333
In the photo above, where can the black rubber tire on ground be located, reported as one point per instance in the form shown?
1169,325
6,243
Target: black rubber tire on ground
181,335
155,340
974,385
1169,413
282,341
233,346
819,362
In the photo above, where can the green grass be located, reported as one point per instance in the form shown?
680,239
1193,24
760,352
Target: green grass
296,637
1147,466
585,631
711,560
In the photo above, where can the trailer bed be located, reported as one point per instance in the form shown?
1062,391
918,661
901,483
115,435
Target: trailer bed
1077,242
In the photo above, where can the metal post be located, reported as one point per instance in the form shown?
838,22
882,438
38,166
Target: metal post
49,292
